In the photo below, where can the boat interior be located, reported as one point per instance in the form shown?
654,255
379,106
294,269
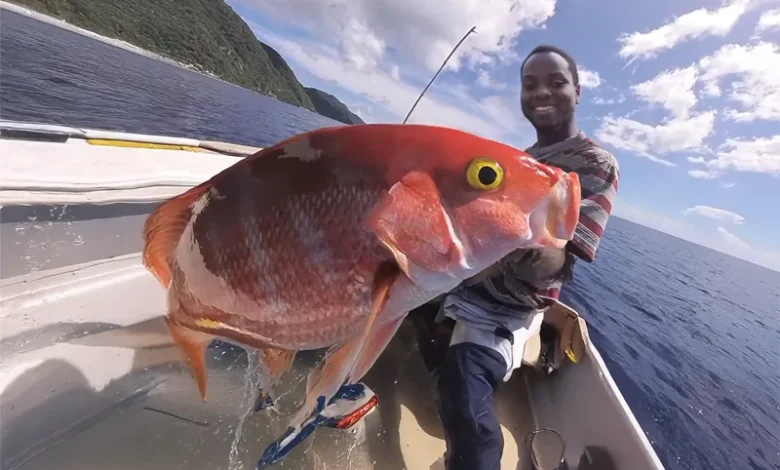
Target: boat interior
90,378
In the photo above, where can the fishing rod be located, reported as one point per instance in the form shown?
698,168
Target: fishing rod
472,30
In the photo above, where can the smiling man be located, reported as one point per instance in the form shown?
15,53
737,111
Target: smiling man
494,315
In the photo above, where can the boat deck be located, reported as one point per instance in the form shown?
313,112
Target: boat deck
169,427
404,432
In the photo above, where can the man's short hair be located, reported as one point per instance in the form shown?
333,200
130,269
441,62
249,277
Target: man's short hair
550,48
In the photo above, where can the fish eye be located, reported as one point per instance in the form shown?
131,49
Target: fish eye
484,173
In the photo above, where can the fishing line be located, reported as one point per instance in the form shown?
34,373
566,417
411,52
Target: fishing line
472,30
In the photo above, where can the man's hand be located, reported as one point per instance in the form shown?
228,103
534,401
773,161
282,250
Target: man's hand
535,264
528,265
489,272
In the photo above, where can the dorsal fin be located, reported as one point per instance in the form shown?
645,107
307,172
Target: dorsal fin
163,229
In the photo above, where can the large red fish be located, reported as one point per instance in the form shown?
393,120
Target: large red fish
329,238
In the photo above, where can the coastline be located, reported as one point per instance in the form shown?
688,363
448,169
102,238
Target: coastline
14,8
84,32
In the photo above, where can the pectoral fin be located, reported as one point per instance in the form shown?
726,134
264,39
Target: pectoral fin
412,223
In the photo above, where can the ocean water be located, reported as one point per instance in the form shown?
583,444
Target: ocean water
690,335
51,75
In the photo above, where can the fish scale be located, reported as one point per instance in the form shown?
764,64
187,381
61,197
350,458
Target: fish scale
277,276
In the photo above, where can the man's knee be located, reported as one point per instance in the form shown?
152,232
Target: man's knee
467,383
473,367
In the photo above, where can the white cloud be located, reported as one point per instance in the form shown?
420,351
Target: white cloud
671,89
727,184
424,33
650,141
589,78
615,97
652,219
756,79
395,72
760,155
493,117
720,215
600,100
719,239
693,25
769,20
484,79
706,174
733,241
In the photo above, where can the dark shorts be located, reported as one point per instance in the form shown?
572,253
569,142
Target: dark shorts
467,380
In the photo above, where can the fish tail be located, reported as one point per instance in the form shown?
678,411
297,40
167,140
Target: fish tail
162,231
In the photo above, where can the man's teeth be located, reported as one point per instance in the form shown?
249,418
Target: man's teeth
543,108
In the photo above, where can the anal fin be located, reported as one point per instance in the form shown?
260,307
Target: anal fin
275,363
193,344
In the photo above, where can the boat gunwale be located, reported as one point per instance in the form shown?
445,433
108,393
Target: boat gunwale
31,129
155,183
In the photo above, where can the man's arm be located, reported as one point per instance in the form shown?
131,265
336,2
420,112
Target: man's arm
599,183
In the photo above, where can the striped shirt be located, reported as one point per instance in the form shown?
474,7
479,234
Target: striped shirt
502,298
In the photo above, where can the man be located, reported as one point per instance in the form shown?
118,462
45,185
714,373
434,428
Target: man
506,305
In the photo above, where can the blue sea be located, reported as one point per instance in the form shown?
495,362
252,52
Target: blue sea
690,335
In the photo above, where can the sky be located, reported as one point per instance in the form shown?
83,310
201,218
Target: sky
684,93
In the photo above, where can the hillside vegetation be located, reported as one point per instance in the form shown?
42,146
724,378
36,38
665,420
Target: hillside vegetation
330,106
206,35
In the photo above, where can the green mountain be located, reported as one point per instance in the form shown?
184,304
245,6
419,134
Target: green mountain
330,106
206,35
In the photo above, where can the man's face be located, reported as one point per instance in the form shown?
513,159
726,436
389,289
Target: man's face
548,93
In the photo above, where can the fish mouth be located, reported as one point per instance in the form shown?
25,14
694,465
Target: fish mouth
568,198
554,221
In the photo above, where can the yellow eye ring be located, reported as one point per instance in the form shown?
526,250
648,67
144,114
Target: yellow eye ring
485,174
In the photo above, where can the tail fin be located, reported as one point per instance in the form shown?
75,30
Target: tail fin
163,229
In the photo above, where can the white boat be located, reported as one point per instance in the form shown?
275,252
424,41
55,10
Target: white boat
91,380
